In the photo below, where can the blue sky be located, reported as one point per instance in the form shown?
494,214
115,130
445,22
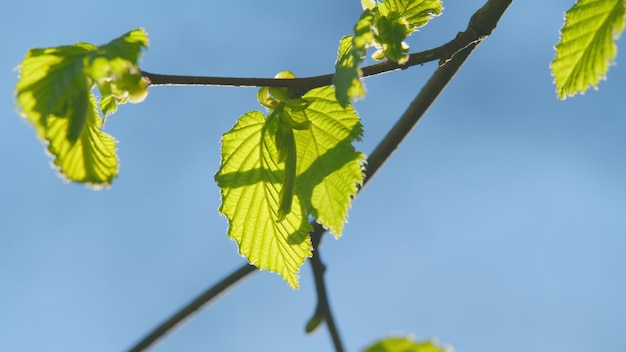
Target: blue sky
498,225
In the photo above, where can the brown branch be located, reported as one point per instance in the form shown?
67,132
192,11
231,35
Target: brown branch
193,306
480,27
322,313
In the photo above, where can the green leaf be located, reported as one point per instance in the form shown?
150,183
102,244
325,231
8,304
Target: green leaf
398,19
347,78
392,30
416,13
251,180
278,170
89,159
352,49
587,45
286,145
53,92
313,324
404,344
384,25
329,168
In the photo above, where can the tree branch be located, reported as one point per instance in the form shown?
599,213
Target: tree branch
481,24
473,35
212,293
322,313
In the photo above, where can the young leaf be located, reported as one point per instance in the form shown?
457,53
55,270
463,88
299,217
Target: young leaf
587,46
352,48
392,30
286,145
404,344
385,25
54,93
278,170
90,158
398,19
416,13
251,180
329,168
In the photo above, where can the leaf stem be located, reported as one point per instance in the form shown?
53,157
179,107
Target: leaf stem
481,24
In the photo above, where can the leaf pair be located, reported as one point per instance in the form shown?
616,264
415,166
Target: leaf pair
385,26
279,169
54,94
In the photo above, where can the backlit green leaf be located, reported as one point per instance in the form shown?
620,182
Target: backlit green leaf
329,168
398,19
251,179
347,78
392,30
417,13
384,25
54,93
587,46
279,169
405,344
352,49
89,159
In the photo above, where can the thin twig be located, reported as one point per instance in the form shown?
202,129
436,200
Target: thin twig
302,85
323,307
322,310
482,23
212,293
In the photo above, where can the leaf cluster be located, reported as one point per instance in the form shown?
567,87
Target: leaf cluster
54,93
385,26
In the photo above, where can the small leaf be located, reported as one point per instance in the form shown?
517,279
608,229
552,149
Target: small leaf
352,49
286,145
384,25
251,179
587,45
392,30
368,4
417,13
347,78
313,324
54,93
398,19
405,344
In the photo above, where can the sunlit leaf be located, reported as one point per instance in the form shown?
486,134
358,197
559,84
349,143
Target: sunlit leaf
405,344
329,168
398,19
54,93
416,13
384,25
352,49
587,45
251,179
89,159
279,169
392,30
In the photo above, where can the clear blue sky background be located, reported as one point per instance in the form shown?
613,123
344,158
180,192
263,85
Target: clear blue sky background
499,225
